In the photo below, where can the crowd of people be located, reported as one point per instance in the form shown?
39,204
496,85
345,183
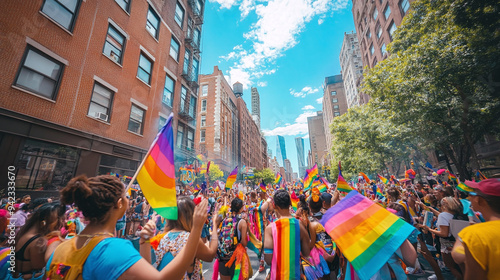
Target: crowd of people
86,233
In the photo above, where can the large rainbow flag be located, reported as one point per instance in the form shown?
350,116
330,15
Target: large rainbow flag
278,179
366,233
342,185
231,178
157,175
311,174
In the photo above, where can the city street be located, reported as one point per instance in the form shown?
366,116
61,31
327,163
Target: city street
208,268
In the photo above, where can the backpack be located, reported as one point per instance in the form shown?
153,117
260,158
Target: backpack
228,238
138,208
67,261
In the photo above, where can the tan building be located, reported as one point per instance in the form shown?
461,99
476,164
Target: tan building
87,84
351,67
334,105
274,165
250,139
217,121
317,139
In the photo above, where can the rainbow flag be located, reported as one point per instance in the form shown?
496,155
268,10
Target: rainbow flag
295,201
311,174
254,244
231,178
259,221
322,187
342,185
368,181
452,177
382,179
278,179
286,253
366,233
157,175
463,187
262,187
379,191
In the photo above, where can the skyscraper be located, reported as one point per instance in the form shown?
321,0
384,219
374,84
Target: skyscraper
256,106
269,152
317,138
299,143
352,68
280,150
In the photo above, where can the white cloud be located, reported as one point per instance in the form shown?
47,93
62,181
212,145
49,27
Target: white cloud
306,136
278,25
319,100
305,91
308,107
262,84
297,128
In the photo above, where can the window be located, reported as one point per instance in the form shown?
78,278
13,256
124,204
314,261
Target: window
168,91
135,123
204,105
183,99
114,45
125,4
190,139
63,12
335,100
204,90
375,13
372,50
336,114
202,135
335,106
392,28
203,120
379,32
145,68
368,34
40,73
153,23
383,49
174,48
334,93
194,70
198,6
161,122
100,103
387,11
196,37
404,5
180,135
179,14
187,55
192,107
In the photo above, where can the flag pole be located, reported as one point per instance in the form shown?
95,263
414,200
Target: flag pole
170,118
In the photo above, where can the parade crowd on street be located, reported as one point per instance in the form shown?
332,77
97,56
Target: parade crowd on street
308,229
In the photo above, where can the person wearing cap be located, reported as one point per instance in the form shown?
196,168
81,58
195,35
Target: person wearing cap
481,241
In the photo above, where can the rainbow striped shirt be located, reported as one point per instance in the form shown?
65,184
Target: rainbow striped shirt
286,249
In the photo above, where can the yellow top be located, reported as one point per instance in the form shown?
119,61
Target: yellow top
483,242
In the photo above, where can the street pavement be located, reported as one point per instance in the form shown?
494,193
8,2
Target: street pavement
208,268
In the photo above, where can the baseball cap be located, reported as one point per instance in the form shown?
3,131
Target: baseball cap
488,186
326,197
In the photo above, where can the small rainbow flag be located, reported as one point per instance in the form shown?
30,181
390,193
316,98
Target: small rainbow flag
286,254
323,187
157,174
366,233
231,178
342,185
311,174
463,187
295,201
382,179
380,192
278,179
262,187
368,181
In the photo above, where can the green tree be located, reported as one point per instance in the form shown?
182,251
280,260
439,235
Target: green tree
366,140
438,78
215,172
266,175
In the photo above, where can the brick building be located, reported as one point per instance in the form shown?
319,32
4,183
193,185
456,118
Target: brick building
375,22
250,139
218,121
87,84
317,139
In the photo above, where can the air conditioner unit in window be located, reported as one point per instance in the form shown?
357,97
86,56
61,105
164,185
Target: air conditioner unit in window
102,116
115,57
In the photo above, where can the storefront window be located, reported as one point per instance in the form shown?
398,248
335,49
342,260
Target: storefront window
116,165
45,165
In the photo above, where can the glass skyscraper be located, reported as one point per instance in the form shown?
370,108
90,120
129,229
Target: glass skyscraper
280,150
299,143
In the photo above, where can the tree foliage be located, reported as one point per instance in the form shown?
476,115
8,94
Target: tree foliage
215,172
440,77
266,175
367,140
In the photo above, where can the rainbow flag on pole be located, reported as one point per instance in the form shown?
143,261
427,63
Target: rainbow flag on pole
278,179
295,201
262,187
311,174
342,185
366,233
157,174
231,178
382,179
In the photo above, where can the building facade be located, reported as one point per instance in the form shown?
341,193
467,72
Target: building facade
288,170
280,150
375,22
218,122
256,106
299,144
351,67
334,105
87,84
274,165
317,139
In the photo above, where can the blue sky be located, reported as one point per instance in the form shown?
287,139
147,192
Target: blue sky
285,48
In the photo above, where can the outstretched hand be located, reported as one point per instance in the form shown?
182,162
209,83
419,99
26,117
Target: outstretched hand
200,214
